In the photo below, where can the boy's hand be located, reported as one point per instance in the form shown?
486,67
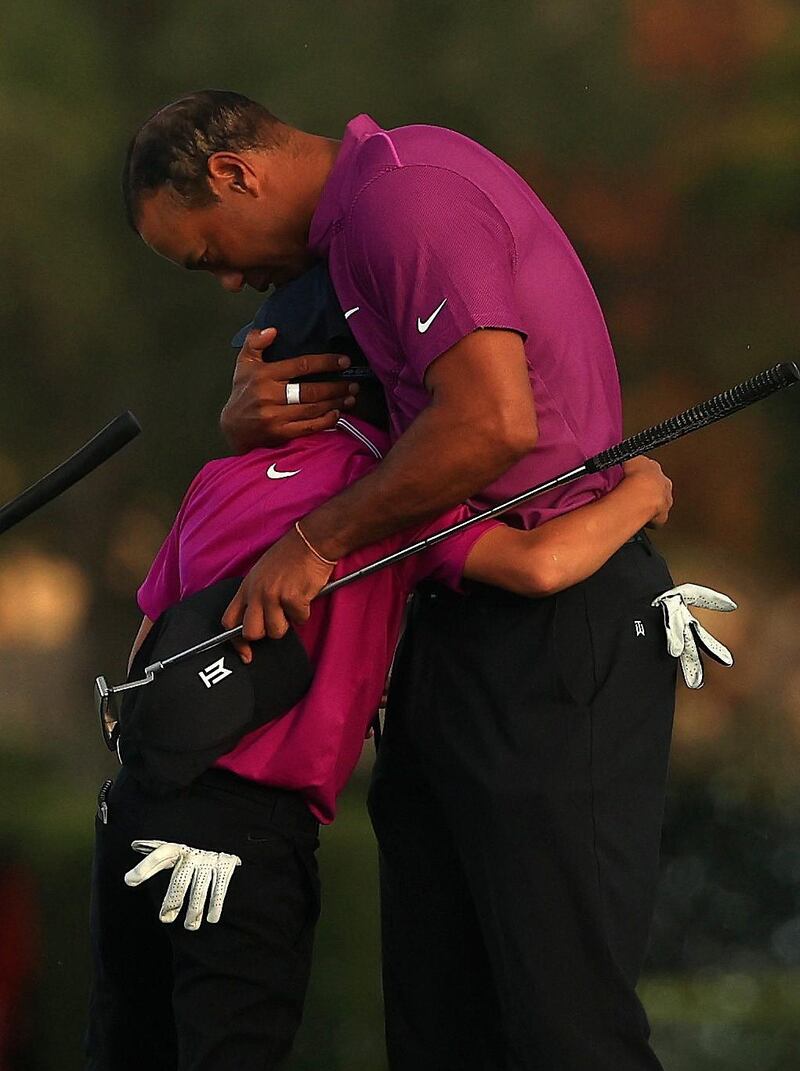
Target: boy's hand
649,473
257,412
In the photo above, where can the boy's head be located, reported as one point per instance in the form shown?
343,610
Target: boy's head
309,319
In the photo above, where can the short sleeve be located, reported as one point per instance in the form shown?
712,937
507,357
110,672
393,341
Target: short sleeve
162,585
434,257
445,561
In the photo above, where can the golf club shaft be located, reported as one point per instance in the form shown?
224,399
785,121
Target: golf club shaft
93,453
699,416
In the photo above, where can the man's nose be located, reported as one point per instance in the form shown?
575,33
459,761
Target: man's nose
232,281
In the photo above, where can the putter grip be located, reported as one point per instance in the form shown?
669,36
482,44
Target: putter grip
699,416
101,447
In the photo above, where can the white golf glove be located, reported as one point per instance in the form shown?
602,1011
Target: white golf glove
202,873
685,634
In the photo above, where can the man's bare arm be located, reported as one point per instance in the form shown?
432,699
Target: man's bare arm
480,421
144,628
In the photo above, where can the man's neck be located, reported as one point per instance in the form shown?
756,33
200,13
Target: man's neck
311,161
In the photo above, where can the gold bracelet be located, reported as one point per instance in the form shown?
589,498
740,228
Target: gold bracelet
316,553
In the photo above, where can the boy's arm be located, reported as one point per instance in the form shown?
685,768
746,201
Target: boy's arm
571,547
144,628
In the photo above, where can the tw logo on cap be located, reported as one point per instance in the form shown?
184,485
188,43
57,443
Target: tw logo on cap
214,673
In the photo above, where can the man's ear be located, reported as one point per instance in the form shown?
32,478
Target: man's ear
227,171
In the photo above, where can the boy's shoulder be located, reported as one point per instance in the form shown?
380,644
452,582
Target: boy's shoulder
351,441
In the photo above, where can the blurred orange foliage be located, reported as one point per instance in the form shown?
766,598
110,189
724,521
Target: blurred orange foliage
715,39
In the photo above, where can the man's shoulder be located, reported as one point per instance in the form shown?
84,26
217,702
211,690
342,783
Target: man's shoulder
411,153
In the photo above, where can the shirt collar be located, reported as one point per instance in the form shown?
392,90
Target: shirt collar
375,440
333,200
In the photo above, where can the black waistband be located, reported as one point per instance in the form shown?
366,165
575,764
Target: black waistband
286,809
287,806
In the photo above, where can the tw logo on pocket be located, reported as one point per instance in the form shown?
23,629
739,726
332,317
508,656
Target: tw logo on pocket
214,673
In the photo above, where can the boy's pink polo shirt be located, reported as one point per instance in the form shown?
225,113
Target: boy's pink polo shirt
234,509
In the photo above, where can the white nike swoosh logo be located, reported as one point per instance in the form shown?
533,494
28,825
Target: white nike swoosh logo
274,474
350,312
423,325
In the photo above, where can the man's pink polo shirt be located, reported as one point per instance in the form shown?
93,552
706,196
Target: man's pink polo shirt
234,509
428,237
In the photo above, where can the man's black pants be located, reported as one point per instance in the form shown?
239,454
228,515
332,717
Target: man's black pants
229,995
517,799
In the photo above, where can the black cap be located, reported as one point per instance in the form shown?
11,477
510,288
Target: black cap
196,710
309,319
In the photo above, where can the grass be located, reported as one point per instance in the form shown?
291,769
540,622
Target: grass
744,1021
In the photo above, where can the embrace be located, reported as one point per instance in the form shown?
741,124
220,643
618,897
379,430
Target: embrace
433,347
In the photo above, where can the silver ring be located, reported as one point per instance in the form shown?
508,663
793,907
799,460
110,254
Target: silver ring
292,393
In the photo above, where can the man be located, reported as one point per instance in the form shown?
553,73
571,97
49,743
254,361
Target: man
518,795
231,993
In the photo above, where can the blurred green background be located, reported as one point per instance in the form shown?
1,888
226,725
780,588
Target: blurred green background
665,136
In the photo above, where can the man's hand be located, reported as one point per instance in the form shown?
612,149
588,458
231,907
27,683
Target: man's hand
257,414
276,592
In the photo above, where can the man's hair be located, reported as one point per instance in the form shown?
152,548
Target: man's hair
172,147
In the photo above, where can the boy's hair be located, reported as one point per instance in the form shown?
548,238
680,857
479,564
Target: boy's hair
172,147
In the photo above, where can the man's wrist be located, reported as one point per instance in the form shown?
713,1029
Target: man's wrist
320,557
324,536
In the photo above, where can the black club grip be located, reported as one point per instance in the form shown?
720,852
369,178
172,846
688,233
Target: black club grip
699,416
99,449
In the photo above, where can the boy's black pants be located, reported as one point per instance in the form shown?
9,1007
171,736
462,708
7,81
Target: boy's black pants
229,995
518,798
